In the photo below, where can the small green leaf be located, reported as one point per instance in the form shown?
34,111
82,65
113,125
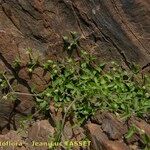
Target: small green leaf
43,104
131,132
70,86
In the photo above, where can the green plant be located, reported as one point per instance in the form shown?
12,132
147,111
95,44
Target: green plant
93,88
132,130
72,44
146,141
145,138
16,63
3,82
33,62
81,87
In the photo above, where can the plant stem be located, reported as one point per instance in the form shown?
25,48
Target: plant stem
64,118
18,93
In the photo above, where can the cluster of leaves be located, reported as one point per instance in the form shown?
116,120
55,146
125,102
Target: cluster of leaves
93,88
71,45
17,63
33,62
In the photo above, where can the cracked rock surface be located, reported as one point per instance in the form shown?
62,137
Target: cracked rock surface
111,29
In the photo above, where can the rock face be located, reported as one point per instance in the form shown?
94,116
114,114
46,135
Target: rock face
111,29
101,142
12,141
38,132
41,129
106,131
37,135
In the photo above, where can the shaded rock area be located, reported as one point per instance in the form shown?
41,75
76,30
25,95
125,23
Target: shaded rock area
111,29
12,139
113,127
37,135
100,141
110,134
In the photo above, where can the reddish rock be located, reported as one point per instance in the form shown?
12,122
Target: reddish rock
5,108
100,141
11,135
72,132
56,114
39,79
97,118
144,128
12,142
120,33
116,145
113,30
114,127
67,131
78,133
111,125
142,125
41,130
134,147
